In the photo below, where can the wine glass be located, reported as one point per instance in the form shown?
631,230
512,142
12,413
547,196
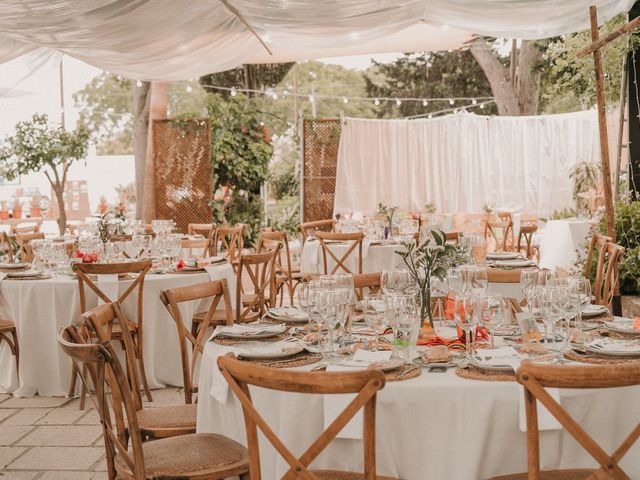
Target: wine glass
403,318
465,318
375,311
327,282
493,313
394,281
529,284
480,281
549,299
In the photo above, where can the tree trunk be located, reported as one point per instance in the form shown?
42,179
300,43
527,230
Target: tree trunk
58,190
157,111
528,78
141,102
498,76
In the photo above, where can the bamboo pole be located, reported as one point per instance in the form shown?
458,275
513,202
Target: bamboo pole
621,117
602,125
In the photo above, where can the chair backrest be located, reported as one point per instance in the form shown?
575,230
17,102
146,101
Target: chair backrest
202,247
111,392
607,273
230,240
364,384
596,247
204,229
266,241
24,244
366,280
26,228
260,270
84,270
340,262
452,237
526,233
308,229
535,377
172,298
503,224
7,246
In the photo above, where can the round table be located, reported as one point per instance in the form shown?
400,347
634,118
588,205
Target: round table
375,258
435,426
40,307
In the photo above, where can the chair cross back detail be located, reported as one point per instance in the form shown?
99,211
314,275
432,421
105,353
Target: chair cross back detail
535,377
311,228
171,298
607,273
364,384
356,246
230,239
372,281
260,268
24,244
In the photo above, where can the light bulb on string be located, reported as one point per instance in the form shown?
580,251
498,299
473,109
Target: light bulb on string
430,116
138,83
398,102
451,101
189,89
455,110
376,102
234,92
424,103
474,101
482,105
274,96
345,100
312,98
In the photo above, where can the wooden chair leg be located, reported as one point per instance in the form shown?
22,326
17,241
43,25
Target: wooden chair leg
143,373
16,351
83,389
74,379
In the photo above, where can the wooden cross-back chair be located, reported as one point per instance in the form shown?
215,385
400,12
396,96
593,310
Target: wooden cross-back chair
86,273
370,281
364,384
7,246
309,229
9,334
607,274
155,422
26,228
191,456
525,240
500,230
340,263
231,241
596,247
452,237
204,229
192,340
535,378
24,244
260,270
200,247
287,274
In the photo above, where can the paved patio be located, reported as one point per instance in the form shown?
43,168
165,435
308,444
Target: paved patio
49,438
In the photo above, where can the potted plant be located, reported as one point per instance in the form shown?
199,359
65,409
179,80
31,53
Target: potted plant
426,261
4,210
36,206
388,213
17,208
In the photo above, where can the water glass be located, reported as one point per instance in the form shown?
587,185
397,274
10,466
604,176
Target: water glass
465,317
480,281
375,314
395,281
529,285
493,313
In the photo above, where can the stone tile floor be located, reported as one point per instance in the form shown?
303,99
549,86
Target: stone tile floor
50,438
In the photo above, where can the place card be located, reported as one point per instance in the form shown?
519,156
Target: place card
528,327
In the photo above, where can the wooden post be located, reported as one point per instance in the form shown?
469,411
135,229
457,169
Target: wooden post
621,121
602,124
157,111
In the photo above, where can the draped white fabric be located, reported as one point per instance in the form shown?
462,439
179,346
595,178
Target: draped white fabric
462,162
172,40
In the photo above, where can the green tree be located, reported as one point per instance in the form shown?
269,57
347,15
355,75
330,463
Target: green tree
252,77
38,147
427,75
240,153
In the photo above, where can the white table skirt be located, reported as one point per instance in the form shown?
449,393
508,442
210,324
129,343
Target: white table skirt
40,307
374,259
559,242
436,426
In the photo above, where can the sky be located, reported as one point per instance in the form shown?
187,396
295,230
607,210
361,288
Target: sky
31,84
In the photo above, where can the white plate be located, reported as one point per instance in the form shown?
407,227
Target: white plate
266,354
25,274
503,255
622,325
385,366
14,266
514,263
237,336
593,310
296,315
590,347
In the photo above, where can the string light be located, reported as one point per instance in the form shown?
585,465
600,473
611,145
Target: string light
376,102
398,102
451,101
482,105
424,103
345,100
233,92
139,83
189,89
473,101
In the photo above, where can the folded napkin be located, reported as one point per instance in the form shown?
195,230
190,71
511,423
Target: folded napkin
311,252
335,404
108,283
247,329
366,243
287,313
613,345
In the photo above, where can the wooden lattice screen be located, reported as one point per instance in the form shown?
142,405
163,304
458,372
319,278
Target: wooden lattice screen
182,164
320,159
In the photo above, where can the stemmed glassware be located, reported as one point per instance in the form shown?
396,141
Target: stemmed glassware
480,281
395,281
465,317
375,314
550,301
493,312
529,285
403,318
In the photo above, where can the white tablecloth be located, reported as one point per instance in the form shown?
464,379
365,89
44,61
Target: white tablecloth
559,242
436,426
375,258
40,307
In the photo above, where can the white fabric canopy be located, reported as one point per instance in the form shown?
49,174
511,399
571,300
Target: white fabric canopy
462,162
178,39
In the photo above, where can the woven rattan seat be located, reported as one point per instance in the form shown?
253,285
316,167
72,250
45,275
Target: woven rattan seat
154,421
578,474
338,475
188,455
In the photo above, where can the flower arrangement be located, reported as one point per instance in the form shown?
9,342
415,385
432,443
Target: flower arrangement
425,261
388,213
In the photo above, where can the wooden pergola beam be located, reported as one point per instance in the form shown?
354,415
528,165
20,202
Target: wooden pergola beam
605,167
600,42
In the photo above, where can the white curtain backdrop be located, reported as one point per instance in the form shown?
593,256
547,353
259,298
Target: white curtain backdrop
175,40
462,162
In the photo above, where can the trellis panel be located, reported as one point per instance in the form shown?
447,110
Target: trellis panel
320,158
182,164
